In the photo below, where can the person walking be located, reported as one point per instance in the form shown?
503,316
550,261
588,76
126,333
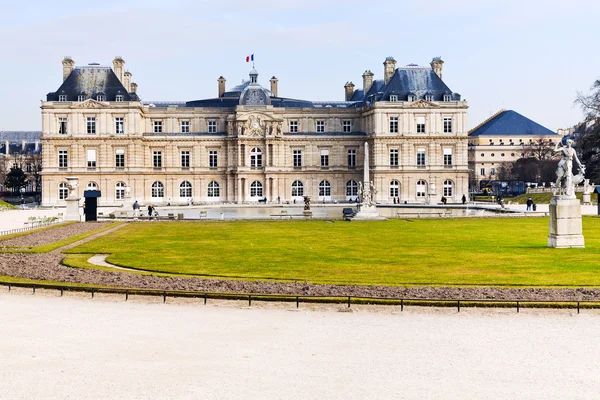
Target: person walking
464,199
529,204
150,212
136,209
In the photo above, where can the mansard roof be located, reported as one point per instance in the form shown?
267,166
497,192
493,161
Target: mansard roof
15,141
409,80
91,80
20,136
510,123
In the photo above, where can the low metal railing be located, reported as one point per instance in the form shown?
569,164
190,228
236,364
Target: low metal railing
28,228
346,300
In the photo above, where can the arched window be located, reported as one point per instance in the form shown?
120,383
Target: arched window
448,188
213,189
158,190
324,189
256,157
394,188
92,186
421,188
185,189
297,189
256,189
352,188
120,190
63,191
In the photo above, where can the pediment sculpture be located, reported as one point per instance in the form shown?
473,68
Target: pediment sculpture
89,103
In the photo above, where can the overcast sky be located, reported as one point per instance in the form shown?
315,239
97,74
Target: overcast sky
531,56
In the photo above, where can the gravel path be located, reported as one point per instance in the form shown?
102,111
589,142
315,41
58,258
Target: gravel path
49,267
51,235
73,348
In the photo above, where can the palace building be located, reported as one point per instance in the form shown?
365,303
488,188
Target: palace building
249,143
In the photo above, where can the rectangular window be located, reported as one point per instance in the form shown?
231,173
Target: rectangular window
101,97
297,155
91,158
421,157
320,126
492,171
157,159
394,157
212,159
185,159
420,124
185,126
351,158
119,125
347,126
393,124
91,125
119,97
324,158
62,97
447,156
157,126
293,126
482,172
447,124
81,97
63,158
62,126
212,126
393,97
120,158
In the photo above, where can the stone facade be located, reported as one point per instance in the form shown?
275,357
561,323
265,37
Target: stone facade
248,144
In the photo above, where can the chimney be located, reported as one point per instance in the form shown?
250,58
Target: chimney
133,87
389,66
68,66
23,146
37,146
437,65
118,64
349,86
274,86
221,81
127,81
367,81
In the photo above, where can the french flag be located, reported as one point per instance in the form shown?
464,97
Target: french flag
250,58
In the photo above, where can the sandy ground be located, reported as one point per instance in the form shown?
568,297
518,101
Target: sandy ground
14,219
75,348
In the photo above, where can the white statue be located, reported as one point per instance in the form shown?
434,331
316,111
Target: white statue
565,181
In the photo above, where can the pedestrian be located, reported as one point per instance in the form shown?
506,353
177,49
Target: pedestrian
150,212
534,206
529,204
464,199
136,209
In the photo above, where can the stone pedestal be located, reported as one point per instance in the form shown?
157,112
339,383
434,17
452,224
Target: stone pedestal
72,213
368,213
565,223
307,213
587,198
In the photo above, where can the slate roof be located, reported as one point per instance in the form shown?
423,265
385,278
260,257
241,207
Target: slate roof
90,81
510,123
15,141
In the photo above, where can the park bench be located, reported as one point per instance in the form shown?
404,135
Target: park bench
348,212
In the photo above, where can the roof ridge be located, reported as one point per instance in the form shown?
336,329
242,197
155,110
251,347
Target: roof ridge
486,121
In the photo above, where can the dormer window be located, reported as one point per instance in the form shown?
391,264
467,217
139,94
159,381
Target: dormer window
62,97
101,97
81,97
393,97
119,97
447,97
428,97
412,97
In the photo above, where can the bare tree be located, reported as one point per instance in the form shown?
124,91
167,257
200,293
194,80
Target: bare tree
540,148
588,135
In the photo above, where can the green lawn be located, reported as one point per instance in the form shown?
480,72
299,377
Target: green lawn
494,251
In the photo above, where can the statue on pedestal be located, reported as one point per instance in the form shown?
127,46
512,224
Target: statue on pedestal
565,180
